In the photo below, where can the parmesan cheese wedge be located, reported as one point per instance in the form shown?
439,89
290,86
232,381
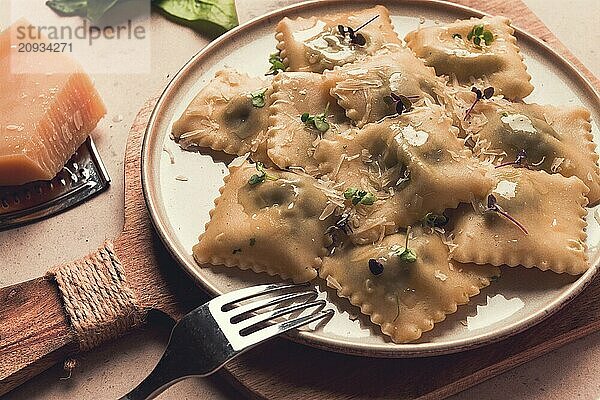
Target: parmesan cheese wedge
44,117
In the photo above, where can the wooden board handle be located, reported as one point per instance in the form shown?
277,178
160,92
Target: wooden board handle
76,307
34,331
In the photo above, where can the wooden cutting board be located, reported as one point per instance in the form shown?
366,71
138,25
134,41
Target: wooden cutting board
38,334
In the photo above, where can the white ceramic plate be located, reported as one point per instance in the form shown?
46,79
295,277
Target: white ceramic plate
179,208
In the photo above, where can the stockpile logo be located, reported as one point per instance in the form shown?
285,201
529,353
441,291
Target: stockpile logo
118,43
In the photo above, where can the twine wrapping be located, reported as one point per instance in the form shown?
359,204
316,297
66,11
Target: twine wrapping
97,298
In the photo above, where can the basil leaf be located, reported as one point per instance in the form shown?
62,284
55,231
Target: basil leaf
97,8
68,7
211,16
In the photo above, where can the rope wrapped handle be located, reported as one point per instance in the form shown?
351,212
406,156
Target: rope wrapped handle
97,298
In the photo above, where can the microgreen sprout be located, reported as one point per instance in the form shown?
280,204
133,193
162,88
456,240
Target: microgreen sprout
406,254
493,206
435,220
479,34
401,103
456,35
258,98
486,94
317,121
355,38
375,266
262,175
342,224
358,196
276,64
520,160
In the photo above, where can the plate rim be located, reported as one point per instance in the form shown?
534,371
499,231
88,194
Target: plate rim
387,350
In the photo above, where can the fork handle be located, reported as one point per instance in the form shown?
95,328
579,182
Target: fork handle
160,379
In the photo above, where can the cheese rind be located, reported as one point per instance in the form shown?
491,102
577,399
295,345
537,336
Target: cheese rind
44,118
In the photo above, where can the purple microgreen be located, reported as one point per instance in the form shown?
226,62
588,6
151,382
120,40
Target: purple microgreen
479,95
342,224
520,160
375,267
434,220
401,103
355,38
493,206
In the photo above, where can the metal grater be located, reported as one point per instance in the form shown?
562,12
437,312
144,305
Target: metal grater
83,176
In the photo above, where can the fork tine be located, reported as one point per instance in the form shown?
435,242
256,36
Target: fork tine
266,316
259,304
281,327
247,293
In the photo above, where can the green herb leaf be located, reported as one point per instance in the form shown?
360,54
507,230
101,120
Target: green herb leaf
256,179
69,7
350,192
488,37
211,16
258,98
358,196
318,121
321,124
406,254
479,34
276,64
368,199
261,176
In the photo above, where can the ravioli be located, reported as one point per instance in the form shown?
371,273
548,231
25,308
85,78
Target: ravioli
362,87
315,44
222,116
549,207
291,141
271,227
406,298
555,139
413,162
449,50
394,173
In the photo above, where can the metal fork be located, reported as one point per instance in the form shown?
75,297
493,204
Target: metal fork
216,332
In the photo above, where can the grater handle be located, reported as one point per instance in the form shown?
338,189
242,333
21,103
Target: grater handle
34,331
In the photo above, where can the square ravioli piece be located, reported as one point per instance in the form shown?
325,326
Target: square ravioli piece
452,49
404,298
316,44
553,139
531,218
291,141
413,164
363,87
230,114
268,221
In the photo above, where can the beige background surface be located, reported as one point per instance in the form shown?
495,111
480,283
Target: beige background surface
25,253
